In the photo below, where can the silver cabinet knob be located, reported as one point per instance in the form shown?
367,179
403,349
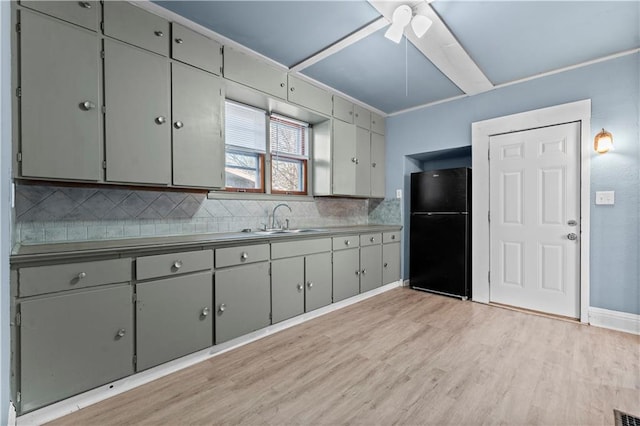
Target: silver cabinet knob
222,307
364,272
244,256
177,264
178,124
358,273
159,33
310,284
293,89
373,164
572,236
179,41
87,105
121,332
393,237
350,112
385,264
160,120
372,239
300,287
85,4
347,242
205,312
354,159
281,84
82,275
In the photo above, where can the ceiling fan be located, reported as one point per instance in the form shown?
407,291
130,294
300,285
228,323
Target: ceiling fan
401,17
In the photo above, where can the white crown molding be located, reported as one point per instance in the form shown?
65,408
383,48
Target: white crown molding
614,320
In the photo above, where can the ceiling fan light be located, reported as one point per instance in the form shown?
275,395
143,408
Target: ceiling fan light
402,15
420,25
394,33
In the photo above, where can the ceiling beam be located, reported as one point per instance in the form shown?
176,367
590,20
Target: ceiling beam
441,47
352,38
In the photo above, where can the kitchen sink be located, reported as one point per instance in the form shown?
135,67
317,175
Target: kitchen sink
288,231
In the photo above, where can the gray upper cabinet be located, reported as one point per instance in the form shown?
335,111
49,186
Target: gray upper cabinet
342,109
377,123
244,69
318,284
363,163
390,262
198,145
242,300
362,117
377,166
370,267
346,273
137,118
195,49
308,95
133,25
83,13
173,318
287,288
344,158
73,342
60,102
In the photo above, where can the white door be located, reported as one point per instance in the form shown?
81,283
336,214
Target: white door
535,223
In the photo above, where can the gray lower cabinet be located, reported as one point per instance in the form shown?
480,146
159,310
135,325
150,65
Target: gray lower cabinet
242,300
198,145
60,102
287,288
73,342
346,273
370,267
390,262
173,318
318,281
138,115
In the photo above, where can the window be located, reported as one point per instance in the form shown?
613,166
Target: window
289,154
247,151
245,139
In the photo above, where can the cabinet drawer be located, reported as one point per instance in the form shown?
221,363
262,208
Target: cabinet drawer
391,237
251,72
342,109
133,25
377,123
83,13
70,276
195,49
308,95
370,239
300,248
172,264
241,255
362,117
348,241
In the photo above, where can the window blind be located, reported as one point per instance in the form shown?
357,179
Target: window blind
245,127
288,137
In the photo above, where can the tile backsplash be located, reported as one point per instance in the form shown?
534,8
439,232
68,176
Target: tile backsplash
46,213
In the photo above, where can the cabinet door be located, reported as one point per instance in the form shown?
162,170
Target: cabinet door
346,274
74,342
173,318
390,263
370,267
342,109
287,288
195,49
198,147
242,300
317,281
136,26
363,162
83,13
309,96
246,70
344,158
377,165
362,117
137,127
377,123
60,102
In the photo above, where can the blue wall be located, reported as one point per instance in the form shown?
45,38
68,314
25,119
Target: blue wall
614,89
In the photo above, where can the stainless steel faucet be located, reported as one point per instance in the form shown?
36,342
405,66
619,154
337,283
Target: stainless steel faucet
273,214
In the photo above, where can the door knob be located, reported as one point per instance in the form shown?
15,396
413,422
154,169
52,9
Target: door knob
159,33
82,275
121,332
364,272
222,307
244,256
205,312
572,236
358,273
160,120
178,124
347,242
177,264
300,287
372,239
87,105
385,265
309,284
179,41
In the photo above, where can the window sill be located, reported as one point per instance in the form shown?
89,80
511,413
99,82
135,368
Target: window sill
225,195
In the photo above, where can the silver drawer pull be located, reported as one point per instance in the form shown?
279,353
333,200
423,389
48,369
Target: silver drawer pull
281,84
121,332
373,164
222,307
364,272
372,239
310,284
205,312
85,4
178,124
82,275
300,287
179,41
244,256
87,105
160,120
177,264
347,242
358,273
385,265
293,89
159,33
354,159
393,237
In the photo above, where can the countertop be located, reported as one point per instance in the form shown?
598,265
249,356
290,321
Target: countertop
141,246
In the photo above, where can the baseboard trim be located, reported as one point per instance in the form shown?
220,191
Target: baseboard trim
11,414
614,320
75,403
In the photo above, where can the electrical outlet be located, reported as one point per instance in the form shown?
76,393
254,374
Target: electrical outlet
605,197
398,193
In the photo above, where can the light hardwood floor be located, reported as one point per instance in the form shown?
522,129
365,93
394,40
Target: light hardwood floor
403,357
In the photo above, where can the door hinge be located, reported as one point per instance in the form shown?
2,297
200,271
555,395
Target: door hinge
489,276
488,154
489,216
19,92
134,298
269,270
270,316
18,319
102,54
135,361
222,50
102,27
19,157
18,27
104,109
220,132
221,71
104,164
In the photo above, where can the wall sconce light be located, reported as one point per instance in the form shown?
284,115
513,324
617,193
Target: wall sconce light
401,18
603,142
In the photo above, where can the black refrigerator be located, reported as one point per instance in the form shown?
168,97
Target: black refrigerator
440,232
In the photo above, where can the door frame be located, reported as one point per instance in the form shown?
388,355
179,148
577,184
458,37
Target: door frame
481,131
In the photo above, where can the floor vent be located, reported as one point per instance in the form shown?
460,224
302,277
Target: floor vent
624,419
